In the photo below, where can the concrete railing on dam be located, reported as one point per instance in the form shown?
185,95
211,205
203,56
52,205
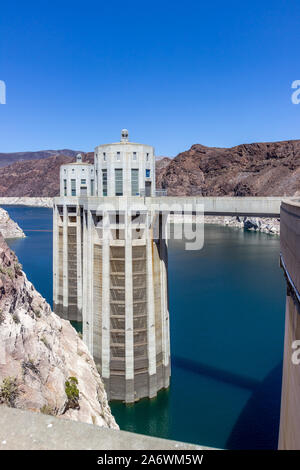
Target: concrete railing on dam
26,430
289,436
231,206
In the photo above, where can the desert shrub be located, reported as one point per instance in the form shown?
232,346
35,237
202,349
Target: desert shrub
37,312
18,268
9,391
15,318
10,273
72,393
48,410
44,340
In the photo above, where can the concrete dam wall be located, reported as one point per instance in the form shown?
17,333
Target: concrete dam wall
289,435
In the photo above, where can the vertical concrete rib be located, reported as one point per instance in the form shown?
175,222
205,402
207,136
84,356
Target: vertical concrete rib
106,302
79,264
90,283
85,319
164,299
55,256
151,343
65,261
129,354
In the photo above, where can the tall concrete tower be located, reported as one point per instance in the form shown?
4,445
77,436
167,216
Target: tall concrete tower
110,266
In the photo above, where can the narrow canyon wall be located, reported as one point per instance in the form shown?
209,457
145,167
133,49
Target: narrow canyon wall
44,365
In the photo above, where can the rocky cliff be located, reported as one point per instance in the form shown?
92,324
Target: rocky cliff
44,365
8,227
259,169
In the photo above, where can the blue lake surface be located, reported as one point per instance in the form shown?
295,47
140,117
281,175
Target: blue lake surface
227,329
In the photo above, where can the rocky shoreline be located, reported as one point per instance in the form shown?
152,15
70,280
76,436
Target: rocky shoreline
256,224
27,201
8,227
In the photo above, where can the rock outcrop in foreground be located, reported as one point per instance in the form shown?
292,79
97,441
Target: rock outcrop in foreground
44,365
8,227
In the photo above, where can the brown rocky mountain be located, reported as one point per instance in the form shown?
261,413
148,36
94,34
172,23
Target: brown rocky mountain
258,169
33,177
9,158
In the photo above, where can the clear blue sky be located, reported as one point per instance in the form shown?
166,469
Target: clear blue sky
174,73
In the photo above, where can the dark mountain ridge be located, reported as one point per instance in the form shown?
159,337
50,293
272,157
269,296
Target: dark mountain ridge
258,169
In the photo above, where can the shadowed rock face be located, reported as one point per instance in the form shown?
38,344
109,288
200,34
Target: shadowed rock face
259,169
39,352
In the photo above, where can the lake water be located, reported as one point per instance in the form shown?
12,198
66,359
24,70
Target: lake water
227,329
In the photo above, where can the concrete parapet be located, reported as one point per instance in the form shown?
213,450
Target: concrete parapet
25,430
289,436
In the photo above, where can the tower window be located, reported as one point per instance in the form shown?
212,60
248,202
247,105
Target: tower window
147,157
147,173
104,182
119,182
83,181
104,156
118,156
134,182
73,187
65,187
134,156
92,187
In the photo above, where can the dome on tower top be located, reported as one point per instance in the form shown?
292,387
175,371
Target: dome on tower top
124,135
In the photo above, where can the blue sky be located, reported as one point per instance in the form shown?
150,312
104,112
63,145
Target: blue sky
174,73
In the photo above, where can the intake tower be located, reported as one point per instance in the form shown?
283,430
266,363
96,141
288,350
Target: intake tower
110,266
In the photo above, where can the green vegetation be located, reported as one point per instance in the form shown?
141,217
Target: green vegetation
37,312
72,393
48,410
43,339
15,318
18,268
8,271
9,391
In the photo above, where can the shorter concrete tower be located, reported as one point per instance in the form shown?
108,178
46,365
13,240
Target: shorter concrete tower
110,267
